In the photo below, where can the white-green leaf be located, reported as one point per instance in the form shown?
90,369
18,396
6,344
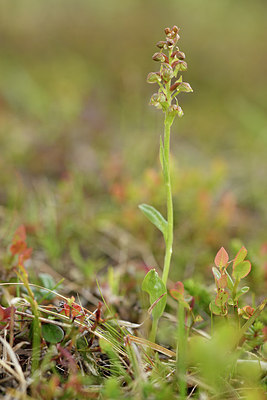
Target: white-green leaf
242,291
216,273
155,217
230,282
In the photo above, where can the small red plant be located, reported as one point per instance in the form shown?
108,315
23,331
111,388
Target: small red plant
227,284
73,310
19,246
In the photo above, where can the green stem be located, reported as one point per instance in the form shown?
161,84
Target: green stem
153,332
169,237
181,353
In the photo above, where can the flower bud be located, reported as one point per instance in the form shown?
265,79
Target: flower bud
161,97
179,65
154,100
175,29
167,73
167,31
185,87
153,77
181,87
178,54
157,99
175,109
174,86
170,42
159,57
183,66
161,45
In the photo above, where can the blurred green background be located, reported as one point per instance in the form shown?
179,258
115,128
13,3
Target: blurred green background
79,143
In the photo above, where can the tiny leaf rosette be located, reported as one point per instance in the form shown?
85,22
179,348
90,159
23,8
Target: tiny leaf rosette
153,285
155,217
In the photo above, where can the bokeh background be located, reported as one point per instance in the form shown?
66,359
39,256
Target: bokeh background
79,142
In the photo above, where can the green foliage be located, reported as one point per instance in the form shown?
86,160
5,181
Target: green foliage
226,285
52,333
153,285
241,270
155,217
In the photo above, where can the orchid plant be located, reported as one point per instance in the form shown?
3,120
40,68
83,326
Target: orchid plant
172,63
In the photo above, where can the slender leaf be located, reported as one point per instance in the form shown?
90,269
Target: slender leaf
216,273
155,217
230,282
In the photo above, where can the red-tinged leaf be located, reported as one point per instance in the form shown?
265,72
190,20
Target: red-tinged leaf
221,258
25,255
241,255
249,310
4,316
221,298
73,311
20,234
242,270
7,312
2,313
179,287
222,282
246,312
177,292
18,247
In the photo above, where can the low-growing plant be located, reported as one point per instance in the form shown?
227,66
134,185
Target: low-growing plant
227,291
